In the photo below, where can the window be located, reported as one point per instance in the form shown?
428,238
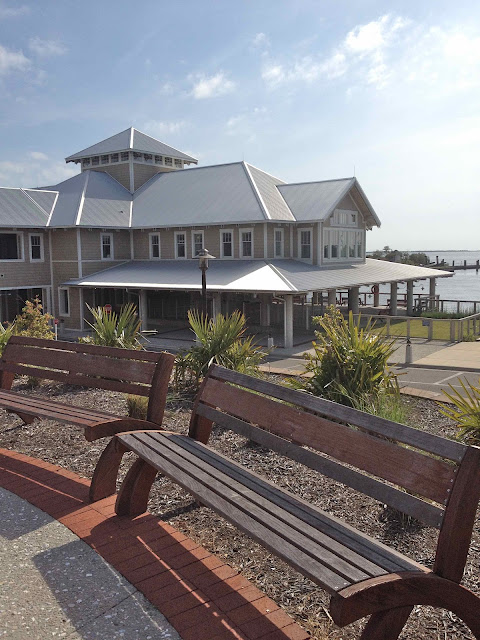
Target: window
344,218
279,243
86,162
180,245
104,159
11,246
359,243
168,162
124,156
178,163
305,244
326,244
154,245
36,247
64,301
197,243
226,243
351,244
137,156
246,243
148,157
95,160
343,244
334,245
158,159
106,246
114,157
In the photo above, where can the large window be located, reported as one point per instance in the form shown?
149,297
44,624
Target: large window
197,243
246,243
279,243
344,218
154,245
180,245
11,246
342,244
36,247
226,243
305,244
106,246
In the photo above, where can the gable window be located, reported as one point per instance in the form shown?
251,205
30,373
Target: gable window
64,301
106,246
197,243
86,162
154,245
114,157
168,162
95,160
178,163
279,243
11,246
226,243
104,159
158,159
137,156
148,157
36,247
305,244
124,156
246,243
180,245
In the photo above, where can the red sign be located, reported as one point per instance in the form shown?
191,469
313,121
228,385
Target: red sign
108,308
56,321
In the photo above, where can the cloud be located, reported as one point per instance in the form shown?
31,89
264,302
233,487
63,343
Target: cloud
210,86
13,12
260,41
12,61
38,155
246,124
34,173
46,48
160,128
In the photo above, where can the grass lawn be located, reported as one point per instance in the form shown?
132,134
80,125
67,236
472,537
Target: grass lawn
441,328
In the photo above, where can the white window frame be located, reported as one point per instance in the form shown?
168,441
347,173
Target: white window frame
200,232
150,245
299,243
175,236
20,246
42,255
111,257
222,255
282,253
61,305
240,243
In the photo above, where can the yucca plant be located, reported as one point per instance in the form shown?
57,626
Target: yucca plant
350,362
111,329
5,334
220,340
466,411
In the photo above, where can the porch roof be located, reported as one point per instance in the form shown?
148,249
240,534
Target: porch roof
259,276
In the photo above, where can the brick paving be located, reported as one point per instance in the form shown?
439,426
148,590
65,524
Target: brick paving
201,596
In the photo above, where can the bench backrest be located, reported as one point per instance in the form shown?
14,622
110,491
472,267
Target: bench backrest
420,474
144,373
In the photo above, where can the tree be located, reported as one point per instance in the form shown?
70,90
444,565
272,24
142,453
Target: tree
33,322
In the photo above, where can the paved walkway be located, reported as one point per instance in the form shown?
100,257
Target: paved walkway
71,569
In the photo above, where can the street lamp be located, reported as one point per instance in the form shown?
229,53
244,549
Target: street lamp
203,256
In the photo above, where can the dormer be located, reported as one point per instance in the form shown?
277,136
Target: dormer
131,157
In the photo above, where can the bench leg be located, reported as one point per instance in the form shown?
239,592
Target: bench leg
104,481
133,495
386,625
27,418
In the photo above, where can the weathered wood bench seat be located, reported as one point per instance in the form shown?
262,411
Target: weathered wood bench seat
142,373
430,478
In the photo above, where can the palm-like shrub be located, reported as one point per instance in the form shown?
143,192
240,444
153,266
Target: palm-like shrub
111,329
466,411
220,340
5,333
349,363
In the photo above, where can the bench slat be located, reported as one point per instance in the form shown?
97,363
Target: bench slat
401,433
358,550
80,363
413,471
226,504
413,506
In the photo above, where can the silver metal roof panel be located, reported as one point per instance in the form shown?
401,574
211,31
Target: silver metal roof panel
272,199
45,199
70,195
315,200
106,203
18,210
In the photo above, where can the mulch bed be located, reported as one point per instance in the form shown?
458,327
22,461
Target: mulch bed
66,446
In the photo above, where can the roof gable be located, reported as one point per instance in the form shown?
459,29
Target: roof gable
274,204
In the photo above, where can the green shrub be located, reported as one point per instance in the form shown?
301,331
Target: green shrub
466,411
5,333
33,322
385,405
137,407
219,340
349,364
111,329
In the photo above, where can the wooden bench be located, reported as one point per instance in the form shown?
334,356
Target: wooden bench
143,373
428,477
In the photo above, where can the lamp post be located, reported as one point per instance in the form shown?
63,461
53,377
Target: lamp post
203,256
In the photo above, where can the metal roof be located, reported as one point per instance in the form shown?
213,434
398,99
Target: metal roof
272,200
45,199
130,140
18,209
274,276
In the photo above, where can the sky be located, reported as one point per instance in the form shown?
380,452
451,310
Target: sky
305,90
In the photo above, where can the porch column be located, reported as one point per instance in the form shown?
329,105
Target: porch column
332,297
431,302
353,294
265,310
143,308
216,303
288,321
376,295
393,298
410,298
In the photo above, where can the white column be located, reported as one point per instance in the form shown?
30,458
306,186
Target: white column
353,294
288,321
143,308
332,297
410,298
217,303
393,298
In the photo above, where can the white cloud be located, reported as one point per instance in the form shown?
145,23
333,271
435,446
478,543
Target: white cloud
12,61
246,124
38,155
13,12
210,86
260,41
47,48
160,128
34,173
375,35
